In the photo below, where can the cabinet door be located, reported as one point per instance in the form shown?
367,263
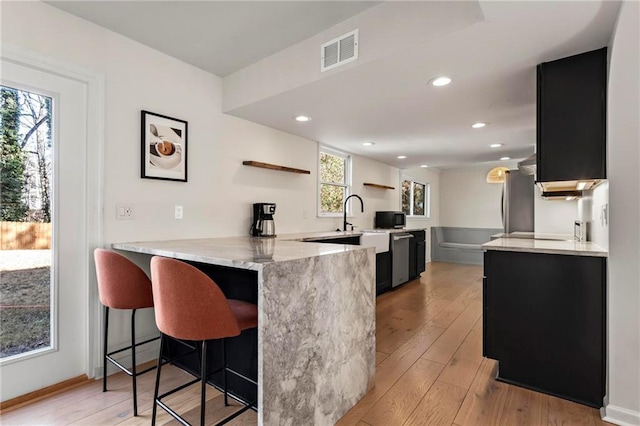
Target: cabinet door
571,118
416,254
413,264
420,257
546,322
488,321
383,272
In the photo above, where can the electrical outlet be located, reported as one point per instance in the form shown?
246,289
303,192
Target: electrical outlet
178,212
124,211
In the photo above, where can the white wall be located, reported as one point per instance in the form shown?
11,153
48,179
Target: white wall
624,233
600,215
554,216
593,210
218,196
467,200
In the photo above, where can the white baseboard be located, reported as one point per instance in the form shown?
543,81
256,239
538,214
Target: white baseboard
145,353
621,416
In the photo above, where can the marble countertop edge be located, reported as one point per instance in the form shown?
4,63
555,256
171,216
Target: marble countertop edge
250,253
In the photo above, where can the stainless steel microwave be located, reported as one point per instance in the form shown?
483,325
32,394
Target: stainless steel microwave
390,220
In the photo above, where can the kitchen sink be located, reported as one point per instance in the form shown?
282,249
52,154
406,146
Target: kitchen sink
377,239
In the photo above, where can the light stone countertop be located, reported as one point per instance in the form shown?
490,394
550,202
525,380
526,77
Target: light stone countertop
528,245
309,236
237,252
535,236
249,252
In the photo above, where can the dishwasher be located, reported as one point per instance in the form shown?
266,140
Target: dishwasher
399,258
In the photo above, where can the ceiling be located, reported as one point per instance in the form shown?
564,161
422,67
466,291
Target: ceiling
218,36
488,48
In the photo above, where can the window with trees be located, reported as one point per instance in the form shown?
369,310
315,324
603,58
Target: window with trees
334,177
26,176
415,198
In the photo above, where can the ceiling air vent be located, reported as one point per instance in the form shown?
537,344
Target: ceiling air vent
339,51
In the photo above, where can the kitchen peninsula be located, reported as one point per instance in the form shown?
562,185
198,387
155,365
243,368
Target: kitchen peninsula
316,323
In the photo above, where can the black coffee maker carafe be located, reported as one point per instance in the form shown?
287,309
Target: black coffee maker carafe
263,224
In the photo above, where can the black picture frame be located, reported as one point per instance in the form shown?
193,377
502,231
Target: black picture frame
163,146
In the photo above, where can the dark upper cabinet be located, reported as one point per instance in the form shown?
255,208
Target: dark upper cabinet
571,118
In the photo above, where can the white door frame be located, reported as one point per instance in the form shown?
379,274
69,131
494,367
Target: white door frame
95,125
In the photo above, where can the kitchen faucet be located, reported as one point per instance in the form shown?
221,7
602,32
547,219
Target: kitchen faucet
344,221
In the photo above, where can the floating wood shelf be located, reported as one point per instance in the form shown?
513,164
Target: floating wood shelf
376,185
275,167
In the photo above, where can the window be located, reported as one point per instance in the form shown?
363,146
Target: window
415,198
334,178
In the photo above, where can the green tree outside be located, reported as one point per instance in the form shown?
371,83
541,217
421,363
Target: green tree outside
333,187
12,159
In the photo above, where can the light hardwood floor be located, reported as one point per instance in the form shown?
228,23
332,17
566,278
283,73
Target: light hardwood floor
430,371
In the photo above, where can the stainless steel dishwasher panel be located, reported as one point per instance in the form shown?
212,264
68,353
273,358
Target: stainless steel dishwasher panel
399,258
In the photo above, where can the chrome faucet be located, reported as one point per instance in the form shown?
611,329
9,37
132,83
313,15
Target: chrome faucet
344,221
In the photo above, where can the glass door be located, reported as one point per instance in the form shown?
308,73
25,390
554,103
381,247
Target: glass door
43,282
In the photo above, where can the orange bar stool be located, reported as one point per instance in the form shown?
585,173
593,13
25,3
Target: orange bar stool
191,306
122,285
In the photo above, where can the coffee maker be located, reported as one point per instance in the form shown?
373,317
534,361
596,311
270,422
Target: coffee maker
263,225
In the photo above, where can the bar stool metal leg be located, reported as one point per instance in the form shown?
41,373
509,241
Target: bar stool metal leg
157,388
104,349
203,377
133,361
224,371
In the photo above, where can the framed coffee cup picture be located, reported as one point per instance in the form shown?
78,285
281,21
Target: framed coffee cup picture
164,147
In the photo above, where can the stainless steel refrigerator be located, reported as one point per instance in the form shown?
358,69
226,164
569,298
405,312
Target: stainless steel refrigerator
517,202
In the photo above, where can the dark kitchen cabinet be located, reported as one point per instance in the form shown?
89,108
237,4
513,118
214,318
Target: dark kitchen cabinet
352,241
571,118
383,272
417,260
242,350
544,322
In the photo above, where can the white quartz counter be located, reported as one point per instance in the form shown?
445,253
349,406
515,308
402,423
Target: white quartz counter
575,248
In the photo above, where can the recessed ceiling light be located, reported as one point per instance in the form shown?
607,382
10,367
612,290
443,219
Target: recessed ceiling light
496,145
505,158
424,165
302,118
441,81
368,143
402,157
478,125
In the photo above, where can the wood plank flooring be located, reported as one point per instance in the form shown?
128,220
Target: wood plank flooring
430,371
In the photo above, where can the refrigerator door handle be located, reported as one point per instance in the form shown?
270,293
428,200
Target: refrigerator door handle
502,202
